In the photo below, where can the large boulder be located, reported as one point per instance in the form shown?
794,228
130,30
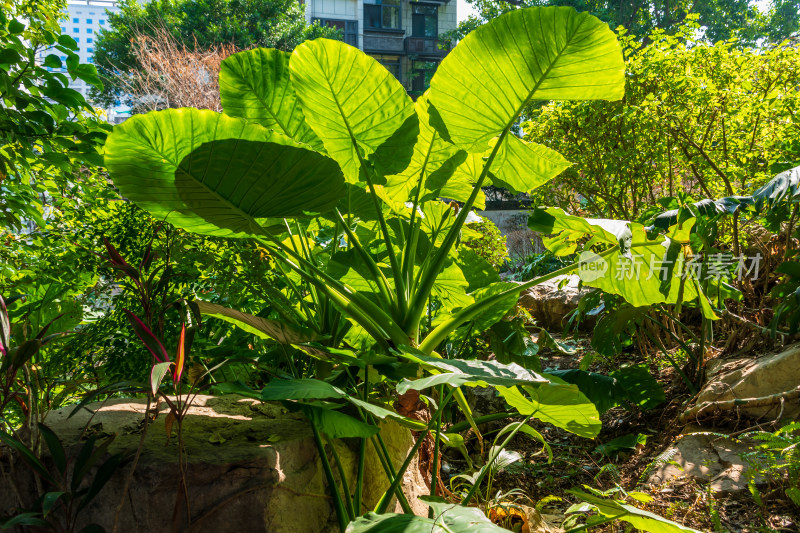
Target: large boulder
550,302
761,377
250,466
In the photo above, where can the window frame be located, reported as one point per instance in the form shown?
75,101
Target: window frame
381,5
417,15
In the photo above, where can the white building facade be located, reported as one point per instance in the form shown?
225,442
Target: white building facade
84,20
402,35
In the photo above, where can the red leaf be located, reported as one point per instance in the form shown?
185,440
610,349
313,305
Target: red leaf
148,338
180,358
117,261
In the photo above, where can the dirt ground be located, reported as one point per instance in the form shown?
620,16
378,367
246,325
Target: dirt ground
576,463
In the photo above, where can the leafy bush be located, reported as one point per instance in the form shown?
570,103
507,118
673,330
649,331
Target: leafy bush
491,245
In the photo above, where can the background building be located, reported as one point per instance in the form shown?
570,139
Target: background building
84,20
402,35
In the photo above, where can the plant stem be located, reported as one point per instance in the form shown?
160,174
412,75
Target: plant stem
380,279
421,294
338,505
386,462
383,503
362,450
435,337
348,500
396,272
435,467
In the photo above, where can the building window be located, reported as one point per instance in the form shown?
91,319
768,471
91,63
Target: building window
77,39
88,21
75,30
75,21
349,29
102,22
421,74
424,20
63,29
90,60
89,50
88,30
89,40
383,15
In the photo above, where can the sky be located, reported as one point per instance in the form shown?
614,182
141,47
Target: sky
464,10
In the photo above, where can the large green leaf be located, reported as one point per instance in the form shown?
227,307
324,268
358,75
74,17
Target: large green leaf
299,389
213,174
552,53
255,85
265,328
337,425
562,405
448,518
473,372
778,192
639,519
645,271
435,165
571,228
522,166
622,387
482,87
354,105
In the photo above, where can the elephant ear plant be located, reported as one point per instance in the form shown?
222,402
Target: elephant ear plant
321,157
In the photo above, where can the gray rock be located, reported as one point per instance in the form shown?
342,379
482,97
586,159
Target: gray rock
549,304
754,378
249,467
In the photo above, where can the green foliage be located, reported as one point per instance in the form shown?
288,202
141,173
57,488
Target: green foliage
536,265
48,132
389,261
740,20
446,517
776,460
697,119
491,245
199,25
626,387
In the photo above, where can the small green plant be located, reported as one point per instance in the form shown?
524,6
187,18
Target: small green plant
775,460
491,245
480,483
535,265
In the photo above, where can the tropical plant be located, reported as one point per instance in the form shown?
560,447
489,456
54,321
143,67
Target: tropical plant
70,486
337,174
